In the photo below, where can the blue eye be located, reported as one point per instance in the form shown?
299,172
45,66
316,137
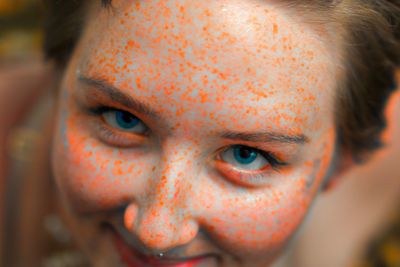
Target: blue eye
244,157
124,121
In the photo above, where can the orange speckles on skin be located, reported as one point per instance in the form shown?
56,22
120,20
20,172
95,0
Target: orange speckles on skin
137,5
275,28
206,68
133,45
203,97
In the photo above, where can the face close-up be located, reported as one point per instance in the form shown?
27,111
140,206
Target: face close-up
194,133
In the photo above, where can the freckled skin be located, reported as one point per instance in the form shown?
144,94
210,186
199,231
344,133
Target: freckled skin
206,66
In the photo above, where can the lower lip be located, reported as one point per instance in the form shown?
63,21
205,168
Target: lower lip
130,258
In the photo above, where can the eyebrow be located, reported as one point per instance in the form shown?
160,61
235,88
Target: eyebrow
266,137
118,96
257,137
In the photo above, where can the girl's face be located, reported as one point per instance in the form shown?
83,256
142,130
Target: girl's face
201,130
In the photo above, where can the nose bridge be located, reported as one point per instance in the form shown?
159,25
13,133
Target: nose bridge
172,180
165,219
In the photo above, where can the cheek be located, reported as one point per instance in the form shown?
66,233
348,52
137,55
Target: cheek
92,175
257,224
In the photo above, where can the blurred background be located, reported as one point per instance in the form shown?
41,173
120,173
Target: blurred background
31,232
20,40
20,30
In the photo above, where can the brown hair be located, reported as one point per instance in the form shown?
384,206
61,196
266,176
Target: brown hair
372,53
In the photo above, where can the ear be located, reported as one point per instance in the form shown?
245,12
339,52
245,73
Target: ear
343,162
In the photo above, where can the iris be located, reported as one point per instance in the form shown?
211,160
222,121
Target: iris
244,155
126,120
123,121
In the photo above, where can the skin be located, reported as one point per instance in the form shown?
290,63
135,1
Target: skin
205,68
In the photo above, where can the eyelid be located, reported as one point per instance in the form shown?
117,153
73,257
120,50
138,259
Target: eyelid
114,136
270,156
241,177
94,105
109,117
89,99
249,178
117,138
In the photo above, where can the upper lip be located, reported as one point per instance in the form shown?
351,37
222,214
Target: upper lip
151,258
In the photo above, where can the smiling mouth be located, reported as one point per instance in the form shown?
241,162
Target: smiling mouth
133,258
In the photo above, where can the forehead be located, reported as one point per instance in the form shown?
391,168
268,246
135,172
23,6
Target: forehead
236,56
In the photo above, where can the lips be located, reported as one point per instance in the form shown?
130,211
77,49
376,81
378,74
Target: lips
133,258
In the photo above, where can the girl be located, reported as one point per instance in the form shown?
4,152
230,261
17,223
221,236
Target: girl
198,133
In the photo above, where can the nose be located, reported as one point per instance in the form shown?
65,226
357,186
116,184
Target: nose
160,229
162,218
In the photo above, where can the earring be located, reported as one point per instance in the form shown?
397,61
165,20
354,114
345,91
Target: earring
160,255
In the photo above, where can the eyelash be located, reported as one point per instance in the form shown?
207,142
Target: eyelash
113,136
271,158
246,178
273,161
276,164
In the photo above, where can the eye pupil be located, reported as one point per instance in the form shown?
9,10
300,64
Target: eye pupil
126,120
245,155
